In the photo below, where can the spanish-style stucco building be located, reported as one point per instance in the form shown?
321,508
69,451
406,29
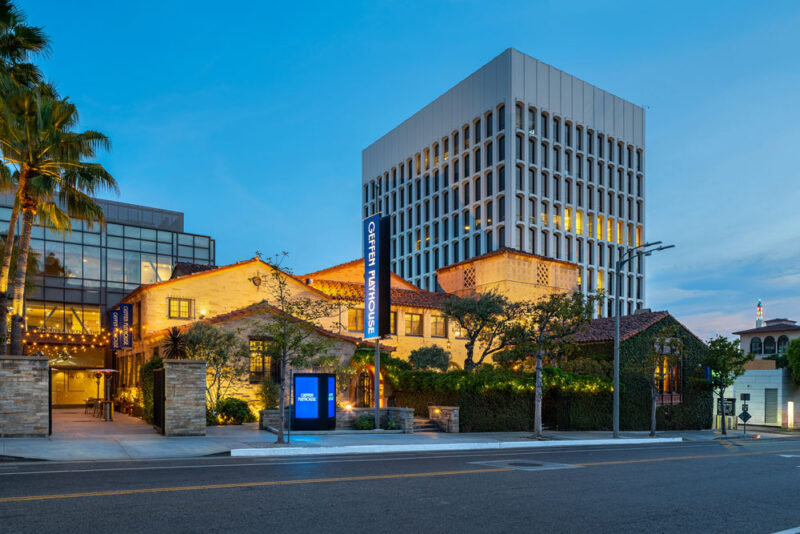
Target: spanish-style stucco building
774,397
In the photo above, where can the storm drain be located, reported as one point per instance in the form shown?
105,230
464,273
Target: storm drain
526,465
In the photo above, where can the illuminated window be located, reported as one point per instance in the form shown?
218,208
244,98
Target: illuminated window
610,229
355,319
180,308
392,323
600,226
620,231
413,324
438,326
262,365
599,280
579,222
638,236
458,332
568,219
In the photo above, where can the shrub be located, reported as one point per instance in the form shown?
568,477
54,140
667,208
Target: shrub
434,357
211,417
232,411
270,394
146,379
390,423
364,422
793,360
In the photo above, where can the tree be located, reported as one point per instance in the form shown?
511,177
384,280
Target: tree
174,344
482,318
793,359
18,43
292,328
546,328
725,362
666,353
434,357
226,358
36,138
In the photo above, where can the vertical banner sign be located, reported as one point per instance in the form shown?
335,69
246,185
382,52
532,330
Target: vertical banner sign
113,326
377,305
126,324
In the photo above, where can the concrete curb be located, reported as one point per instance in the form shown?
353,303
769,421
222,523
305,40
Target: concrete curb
432,447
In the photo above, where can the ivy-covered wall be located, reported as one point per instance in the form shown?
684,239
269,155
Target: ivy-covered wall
483,410
693,413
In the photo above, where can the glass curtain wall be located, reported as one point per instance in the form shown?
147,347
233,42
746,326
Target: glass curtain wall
79,274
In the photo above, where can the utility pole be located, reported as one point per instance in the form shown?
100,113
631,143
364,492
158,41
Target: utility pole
628,256
377,383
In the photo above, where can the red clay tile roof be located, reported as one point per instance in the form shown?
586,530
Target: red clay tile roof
770,328
145,287
182,268
260,307
354,292
602,329
316,274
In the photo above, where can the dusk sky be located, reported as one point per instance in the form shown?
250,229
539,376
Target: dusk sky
251,117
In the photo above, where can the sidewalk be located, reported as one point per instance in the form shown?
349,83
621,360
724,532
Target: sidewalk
80,437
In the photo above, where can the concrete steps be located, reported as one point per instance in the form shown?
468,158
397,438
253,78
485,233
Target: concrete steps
425,425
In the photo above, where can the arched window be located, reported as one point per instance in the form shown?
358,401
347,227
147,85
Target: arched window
755,345
783,344
769,345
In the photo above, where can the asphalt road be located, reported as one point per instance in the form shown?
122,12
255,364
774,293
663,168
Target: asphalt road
737,486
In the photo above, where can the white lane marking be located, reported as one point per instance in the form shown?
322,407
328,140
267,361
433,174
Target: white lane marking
343,459
432,447
794,530
789,455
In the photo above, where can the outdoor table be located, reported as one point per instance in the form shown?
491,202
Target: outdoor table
106,403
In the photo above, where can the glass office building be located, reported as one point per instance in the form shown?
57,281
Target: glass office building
80,274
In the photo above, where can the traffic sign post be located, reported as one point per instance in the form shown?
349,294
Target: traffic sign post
744,416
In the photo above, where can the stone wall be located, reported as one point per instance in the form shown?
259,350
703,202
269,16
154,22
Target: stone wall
445,416
345,419
24,399
185,405
270,418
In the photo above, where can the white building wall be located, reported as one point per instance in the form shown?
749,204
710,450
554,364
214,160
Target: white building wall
540,227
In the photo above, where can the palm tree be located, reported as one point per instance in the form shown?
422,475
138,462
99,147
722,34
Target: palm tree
175,344
54,182
18,43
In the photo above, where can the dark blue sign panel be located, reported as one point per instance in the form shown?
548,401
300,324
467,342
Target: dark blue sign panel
113,326
377,258
126,324
331,396
371,279
306,397
314,401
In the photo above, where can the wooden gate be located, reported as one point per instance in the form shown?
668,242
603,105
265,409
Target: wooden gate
159,398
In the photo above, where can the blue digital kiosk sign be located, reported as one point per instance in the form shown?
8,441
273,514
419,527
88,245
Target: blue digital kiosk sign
314,401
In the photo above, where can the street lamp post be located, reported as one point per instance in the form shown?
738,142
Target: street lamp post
627,256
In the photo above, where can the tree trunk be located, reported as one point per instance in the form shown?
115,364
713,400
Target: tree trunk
722,401
469,365
653,397
19,282
4,270
283,400
9,248
537,411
